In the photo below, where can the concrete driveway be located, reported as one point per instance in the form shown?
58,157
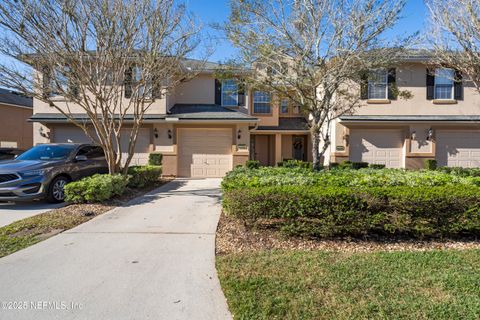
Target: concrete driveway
11,212
153,259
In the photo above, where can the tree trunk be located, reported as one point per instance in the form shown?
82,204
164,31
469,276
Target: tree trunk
316,156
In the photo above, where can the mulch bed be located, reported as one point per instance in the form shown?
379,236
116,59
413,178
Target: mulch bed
233,237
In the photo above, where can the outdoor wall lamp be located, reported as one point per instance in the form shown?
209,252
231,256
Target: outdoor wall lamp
43,133
346,138
430,134
169,132
239,134
155,133
413,135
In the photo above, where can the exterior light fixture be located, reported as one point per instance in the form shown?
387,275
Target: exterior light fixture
239,134
430,134
169,132
43,133
155,133
346,138
413,135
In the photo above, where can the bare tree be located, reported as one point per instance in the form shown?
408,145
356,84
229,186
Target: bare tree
454,34
312,51
106,59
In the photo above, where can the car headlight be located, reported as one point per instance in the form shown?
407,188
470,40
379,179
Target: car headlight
37,172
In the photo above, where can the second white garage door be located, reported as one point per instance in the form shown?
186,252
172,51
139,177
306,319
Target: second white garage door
62,134
204,153
457,148
377,146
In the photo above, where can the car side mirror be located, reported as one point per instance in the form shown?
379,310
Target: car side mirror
81,158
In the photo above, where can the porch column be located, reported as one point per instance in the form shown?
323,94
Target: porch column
278,148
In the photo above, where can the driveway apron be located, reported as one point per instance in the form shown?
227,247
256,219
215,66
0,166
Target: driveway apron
152,259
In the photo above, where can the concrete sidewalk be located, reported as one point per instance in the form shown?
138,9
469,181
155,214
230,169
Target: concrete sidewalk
154,259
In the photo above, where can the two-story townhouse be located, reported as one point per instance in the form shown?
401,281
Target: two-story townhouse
201,127
439,121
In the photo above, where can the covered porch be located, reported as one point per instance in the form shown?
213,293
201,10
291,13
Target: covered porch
271,148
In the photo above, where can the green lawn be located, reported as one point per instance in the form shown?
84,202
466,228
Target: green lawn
327,285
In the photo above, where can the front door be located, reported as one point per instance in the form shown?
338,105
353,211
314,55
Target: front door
262,149
298,145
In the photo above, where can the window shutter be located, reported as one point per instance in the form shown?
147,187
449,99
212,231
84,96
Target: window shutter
458,86
241,93
364,86
46,82
156,87
128,82
392,78
218,92
430,84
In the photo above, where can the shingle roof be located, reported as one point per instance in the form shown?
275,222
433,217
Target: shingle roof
207,112
178,111
58,117
15,98
410,118
293,124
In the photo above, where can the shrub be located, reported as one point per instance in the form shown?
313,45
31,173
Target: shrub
96,188
252,164
462,172
295,164
155,159
334,165
340,211
376,166
431,164
142,176
353,165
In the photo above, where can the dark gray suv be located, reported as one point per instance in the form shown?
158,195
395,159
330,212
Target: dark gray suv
43,171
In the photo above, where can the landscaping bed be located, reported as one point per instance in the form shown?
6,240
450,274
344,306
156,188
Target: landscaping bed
355,203
371,243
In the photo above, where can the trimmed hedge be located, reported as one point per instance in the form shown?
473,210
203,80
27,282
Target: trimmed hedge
252,164
340,211
155,159
141,176
96,188
295,164
431,164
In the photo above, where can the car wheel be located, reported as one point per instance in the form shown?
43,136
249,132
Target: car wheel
56,191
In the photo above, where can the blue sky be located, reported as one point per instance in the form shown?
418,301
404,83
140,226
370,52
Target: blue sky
216,11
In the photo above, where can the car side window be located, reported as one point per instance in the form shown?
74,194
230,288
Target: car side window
96,153
92,153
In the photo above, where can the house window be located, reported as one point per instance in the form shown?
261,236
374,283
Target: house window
378,84
284,106
143,83
229,93
261,102
444,83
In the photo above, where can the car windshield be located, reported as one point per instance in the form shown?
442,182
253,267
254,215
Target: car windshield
47,152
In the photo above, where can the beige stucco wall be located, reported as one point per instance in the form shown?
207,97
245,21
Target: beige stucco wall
200,89
412,77
15,130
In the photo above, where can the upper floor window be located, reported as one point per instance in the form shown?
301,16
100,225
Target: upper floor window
143,82
444,79
229,93
284,106
378,84
261,102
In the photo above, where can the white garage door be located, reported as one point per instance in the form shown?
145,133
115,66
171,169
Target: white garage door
377,146
76,135
457,148
204,153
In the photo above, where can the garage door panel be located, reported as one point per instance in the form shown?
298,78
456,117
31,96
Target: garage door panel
204,152
458,148
377,146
